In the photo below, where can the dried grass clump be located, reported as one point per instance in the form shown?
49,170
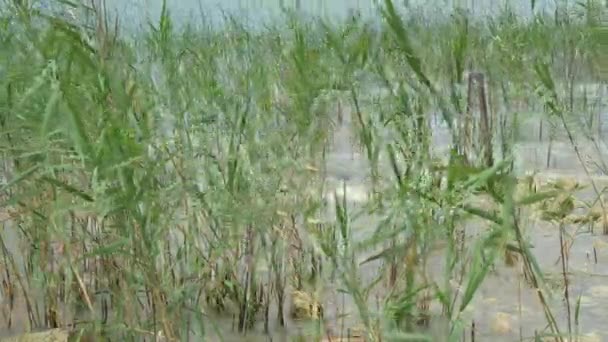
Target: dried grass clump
568,184
305,306
562,205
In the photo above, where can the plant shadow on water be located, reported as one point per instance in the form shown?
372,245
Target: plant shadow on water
310,181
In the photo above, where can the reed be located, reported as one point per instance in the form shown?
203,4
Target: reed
161,185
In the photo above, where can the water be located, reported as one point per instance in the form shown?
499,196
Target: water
505,307
505,304
345,164
134,14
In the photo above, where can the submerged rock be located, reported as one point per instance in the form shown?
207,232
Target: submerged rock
51,335
600,291
501,323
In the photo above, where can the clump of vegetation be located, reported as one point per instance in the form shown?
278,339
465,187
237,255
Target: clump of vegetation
158,186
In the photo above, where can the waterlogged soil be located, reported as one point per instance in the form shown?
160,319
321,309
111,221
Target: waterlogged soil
505,308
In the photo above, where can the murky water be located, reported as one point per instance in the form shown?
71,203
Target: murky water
504,295
505,307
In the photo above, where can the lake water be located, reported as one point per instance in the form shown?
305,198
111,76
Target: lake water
346,165
135,13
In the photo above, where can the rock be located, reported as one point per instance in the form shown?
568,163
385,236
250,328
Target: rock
51,335
599,243
343,339
566,183
501,323
591,337
600,291
354,334
490,300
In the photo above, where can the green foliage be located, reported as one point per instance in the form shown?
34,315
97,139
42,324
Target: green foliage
181,163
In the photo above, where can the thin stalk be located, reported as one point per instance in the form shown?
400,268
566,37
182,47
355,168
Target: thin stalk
565,276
